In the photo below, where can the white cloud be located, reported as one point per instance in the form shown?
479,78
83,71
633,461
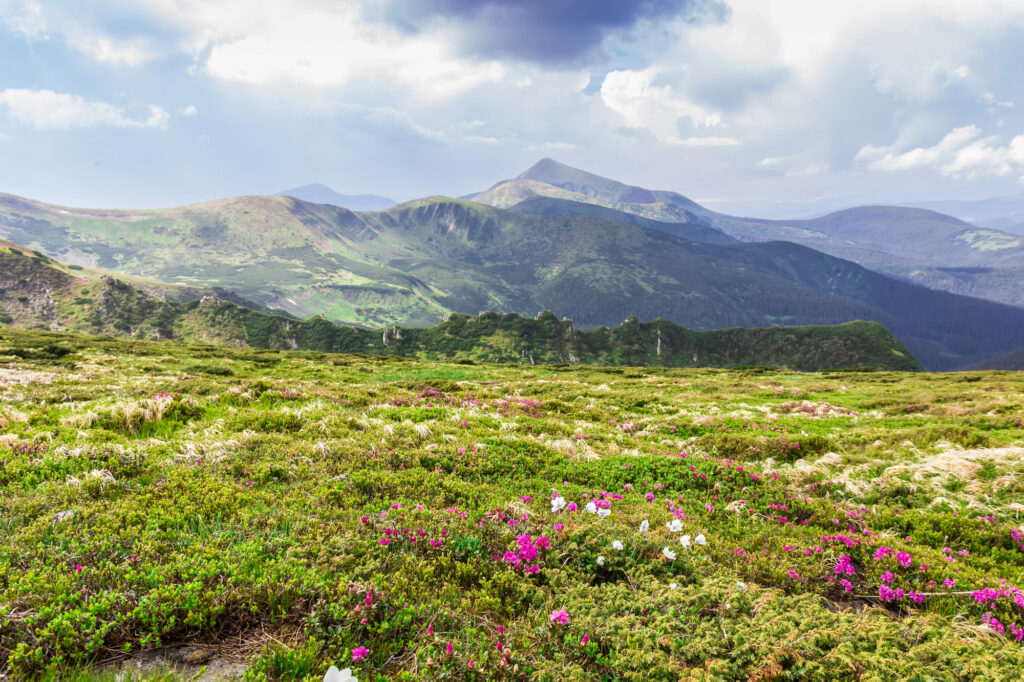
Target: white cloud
28,18
106,51
312,43
46,109
961,153
658,109
190,110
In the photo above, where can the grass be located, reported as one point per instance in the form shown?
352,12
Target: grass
303,505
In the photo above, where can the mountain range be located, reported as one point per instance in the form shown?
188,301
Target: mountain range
556,238
37,292
916,244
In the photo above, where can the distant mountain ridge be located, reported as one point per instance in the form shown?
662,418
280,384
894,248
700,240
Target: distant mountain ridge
37,292
322,194
410,264
919,245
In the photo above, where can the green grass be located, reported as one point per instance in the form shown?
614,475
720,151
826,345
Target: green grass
248,507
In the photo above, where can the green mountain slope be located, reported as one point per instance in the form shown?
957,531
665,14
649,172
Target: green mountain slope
37,292
415,262
919,245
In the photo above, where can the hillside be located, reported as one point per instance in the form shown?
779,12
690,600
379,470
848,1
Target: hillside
919,245
273,513
321,194
413,263
38,293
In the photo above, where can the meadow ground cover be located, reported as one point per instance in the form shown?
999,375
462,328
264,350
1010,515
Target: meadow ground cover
405,519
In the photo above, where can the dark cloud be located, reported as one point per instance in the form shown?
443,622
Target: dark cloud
544,31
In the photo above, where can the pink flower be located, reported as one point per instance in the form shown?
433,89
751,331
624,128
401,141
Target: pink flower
572,506
449,649
560,616
526,498
385,541
430,629
584,640
79,568
359,653
793,574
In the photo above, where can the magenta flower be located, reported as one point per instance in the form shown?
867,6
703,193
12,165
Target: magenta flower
79,568
359,653
560,616
584,640
449,649
385,541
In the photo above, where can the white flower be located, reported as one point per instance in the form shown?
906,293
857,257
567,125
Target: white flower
685,541
335,675
591,508
558,504
600,561
617,544
673,586
675,526
740,585
644,525
603,513
700,539
669,554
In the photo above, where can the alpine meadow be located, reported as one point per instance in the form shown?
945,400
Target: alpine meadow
594,340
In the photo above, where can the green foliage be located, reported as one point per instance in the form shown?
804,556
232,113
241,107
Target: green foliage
308,504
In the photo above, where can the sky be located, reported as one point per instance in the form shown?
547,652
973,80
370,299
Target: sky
749,106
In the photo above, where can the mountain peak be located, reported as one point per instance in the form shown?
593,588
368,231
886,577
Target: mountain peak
322,194
558,174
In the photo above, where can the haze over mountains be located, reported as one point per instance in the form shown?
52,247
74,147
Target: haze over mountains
322,194
557,238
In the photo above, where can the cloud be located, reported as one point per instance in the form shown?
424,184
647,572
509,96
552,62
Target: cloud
961,153
549,32
106,51
49,110
658,109
190,110
30,19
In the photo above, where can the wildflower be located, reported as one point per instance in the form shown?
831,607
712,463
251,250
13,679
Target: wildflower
700,539
430,629
600,561
559,526
949,582
649,497
669,554
571,507
888,577
591,508
526,498
675,526
557,504
79,568
335,675
584,640
685,541
359,653
560,616
741,585
644,525
847,585
543,542
617,544
793,574
449,649
603,513
673,586
385,541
